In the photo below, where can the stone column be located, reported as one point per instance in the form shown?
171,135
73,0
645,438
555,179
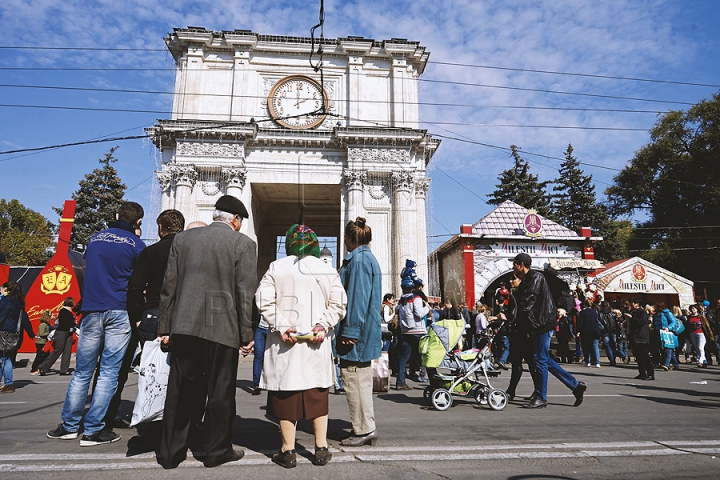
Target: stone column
355,182
185,178
165,180
404,223
422,183
235,179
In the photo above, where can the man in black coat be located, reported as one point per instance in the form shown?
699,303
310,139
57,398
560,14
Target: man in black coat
639,336
537,316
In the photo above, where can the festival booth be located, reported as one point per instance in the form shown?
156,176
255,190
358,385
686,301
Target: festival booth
635,277
54,282
470,266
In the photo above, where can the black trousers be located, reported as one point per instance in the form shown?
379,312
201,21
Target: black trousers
40,356
521,347
642,356
198,365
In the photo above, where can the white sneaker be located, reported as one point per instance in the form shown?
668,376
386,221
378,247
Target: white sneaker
597,366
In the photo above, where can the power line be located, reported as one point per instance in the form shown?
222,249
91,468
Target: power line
453,64
589,75
89,49
128,110
557,92
572,127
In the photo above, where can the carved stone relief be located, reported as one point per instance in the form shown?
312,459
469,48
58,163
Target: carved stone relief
234,177
221,150
384,155
421,186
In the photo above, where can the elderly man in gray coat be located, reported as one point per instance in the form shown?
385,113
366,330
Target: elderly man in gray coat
205,315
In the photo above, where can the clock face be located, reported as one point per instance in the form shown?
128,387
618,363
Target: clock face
294,102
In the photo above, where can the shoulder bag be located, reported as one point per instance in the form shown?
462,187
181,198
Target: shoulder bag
9,340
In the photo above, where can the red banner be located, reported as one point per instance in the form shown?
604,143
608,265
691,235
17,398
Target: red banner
56,281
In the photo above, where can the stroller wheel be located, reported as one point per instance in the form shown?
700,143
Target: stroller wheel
497,399
441,399
427,395
481,395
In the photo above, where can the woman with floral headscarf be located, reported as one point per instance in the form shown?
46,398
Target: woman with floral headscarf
302,300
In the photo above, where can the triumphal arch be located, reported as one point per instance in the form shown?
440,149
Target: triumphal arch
252,118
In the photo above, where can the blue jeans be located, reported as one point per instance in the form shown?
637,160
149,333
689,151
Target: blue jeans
409,342
505,349
259,354
7,370
541,355
610,343
591,348
561,374
622,349
105,335
338,380
669,354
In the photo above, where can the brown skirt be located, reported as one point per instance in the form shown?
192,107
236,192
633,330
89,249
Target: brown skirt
292,406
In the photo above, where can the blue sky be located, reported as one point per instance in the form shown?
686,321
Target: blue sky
673,40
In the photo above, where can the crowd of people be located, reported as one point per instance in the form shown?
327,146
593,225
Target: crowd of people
196,290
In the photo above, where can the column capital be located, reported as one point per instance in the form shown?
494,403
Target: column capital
234,177
185,175
402,181
165,178
355,179
422,184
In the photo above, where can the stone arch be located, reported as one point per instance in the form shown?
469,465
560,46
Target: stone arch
487,272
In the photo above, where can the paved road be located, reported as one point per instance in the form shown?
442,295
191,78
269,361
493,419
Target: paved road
665,429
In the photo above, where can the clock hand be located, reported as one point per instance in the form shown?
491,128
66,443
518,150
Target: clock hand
297,104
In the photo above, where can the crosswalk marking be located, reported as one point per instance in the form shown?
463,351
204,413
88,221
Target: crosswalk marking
97,461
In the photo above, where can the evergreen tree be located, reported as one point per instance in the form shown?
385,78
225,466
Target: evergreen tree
520,186
98,199
25,235
574,202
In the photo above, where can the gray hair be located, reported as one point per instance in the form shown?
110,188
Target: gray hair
220,216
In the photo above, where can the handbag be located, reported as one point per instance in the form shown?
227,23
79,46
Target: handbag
678,328
9,340
668,339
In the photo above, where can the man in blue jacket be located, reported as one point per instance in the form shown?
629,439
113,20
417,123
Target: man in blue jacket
105,330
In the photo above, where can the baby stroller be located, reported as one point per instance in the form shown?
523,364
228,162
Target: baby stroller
467,373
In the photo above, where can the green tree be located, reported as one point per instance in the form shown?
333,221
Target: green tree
98,199
575,205
24,234
675,181
520,186
574,202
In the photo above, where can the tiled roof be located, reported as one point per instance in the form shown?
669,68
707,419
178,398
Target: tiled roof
507,220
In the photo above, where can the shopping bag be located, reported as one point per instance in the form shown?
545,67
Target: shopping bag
48,347
152,384
381,373
668,339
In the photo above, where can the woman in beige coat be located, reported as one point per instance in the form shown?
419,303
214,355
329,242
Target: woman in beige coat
302,299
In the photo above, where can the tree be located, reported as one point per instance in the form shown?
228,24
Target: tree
98,199
520,186
675,180
24,234
574,203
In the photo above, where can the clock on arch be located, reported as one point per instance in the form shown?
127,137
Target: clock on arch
297,101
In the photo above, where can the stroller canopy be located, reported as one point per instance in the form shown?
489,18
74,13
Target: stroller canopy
442,336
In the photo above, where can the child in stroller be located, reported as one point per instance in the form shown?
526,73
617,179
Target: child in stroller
466,373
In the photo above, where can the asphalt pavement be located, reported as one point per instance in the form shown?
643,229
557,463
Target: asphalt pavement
625,428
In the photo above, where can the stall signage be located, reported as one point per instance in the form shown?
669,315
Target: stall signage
532,224
540,249
638,279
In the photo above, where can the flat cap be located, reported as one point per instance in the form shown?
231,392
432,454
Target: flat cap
230,204
523,258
